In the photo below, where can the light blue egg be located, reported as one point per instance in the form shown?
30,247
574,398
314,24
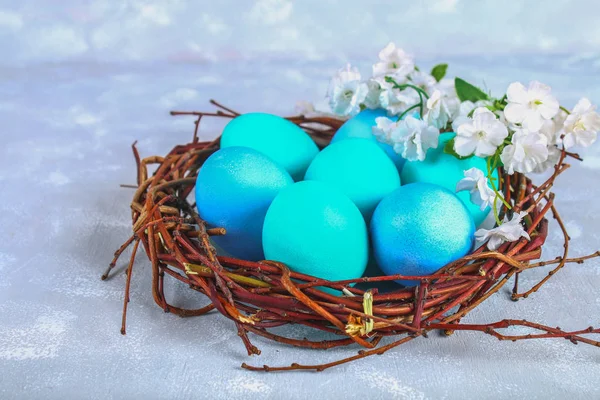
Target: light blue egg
446,170
316,230
361,126
418,229
359,168
234,189
276,137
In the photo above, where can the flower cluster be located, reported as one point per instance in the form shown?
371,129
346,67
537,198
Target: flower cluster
523,129
399,87
411,137
526,130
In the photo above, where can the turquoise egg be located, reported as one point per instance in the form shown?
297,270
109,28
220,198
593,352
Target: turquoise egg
361,126
234,189
358,168
316,230
418,229
446,170
276,137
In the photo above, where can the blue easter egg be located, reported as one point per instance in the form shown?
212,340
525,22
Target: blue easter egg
418,229
446,170
281,140
234,189
358,168
316,230
361,126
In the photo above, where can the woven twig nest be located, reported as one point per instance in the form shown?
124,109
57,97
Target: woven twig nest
258,296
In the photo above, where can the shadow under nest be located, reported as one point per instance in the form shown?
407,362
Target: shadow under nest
260,296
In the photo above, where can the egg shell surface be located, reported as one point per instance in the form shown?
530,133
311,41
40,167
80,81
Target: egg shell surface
234,189
361,126
316,230
418,229
358,168
281,140
446,170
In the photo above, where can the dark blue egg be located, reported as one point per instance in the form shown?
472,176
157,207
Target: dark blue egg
419,228
234,189
361,126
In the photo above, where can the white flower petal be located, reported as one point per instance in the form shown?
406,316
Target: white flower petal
463,146
515,112
516,93
527,151
477,184
581,126
482,135
347,92
412,138
509,231
530,106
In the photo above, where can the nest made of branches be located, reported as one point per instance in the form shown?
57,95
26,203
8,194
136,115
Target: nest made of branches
259,296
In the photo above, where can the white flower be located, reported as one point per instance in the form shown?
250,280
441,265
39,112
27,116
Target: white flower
307,109
446,86
393,62
551,161
383,129
549,130
396,101
530,106
423,80
481,135
372,99
347,92
476,183
559,122
509,231
412,137
465,108
527,151
462,116
582,125
552,134
440,109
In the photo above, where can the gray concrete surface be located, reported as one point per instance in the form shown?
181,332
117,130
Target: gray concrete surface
66,131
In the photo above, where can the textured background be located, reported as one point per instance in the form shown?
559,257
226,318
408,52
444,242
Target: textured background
81,80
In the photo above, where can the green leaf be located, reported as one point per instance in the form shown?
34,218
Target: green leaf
449,149
439,71
468,92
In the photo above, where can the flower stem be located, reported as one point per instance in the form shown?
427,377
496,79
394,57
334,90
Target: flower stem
410,109
420,105
493,186
565,110
418,89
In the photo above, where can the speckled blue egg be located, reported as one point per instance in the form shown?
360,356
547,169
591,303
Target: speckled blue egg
361,126
234,189
418,229
446,170
316,230
359,168
276,137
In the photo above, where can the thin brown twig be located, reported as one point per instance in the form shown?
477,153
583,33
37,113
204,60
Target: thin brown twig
259,296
